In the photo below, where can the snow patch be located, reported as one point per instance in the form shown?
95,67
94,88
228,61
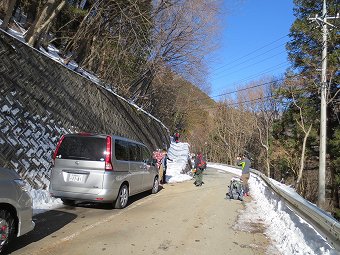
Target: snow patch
42,201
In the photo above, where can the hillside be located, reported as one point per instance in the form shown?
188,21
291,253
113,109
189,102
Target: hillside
182,106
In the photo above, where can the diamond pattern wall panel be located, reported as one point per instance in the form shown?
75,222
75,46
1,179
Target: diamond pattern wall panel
41,99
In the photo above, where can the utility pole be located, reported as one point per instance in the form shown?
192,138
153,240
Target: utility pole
323,118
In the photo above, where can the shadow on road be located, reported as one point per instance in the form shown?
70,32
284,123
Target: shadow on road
45,224
51,221
106,206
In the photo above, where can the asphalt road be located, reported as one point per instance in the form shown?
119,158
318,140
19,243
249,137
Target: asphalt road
179,219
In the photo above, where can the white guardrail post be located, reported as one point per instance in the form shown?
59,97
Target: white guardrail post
327,226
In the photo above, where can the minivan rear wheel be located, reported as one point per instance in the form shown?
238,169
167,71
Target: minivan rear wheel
155,186
7,228
123,197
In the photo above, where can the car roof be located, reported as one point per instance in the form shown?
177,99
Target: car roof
104,136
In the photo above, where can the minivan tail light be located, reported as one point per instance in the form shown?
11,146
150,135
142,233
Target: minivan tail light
57,148
108,162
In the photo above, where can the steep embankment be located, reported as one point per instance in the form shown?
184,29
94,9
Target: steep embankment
41,99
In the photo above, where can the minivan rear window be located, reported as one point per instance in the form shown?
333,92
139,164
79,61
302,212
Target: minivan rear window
82,148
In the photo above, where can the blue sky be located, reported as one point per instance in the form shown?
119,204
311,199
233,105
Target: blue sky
253,37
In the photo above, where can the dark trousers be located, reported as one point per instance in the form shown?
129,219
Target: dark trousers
199,176
164,173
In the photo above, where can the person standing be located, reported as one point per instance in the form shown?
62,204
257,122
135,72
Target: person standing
176,136
165,164
200,165
158,155
244,162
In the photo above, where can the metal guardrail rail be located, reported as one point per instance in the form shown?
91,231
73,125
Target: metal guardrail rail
326,225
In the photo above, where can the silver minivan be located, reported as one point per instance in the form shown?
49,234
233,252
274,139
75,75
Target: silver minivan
101,168
15,207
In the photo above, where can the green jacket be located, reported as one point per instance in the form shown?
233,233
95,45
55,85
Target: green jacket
245,165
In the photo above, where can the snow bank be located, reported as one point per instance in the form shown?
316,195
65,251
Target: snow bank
179,153
289,233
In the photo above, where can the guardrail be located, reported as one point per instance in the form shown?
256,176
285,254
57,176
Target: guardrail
327,226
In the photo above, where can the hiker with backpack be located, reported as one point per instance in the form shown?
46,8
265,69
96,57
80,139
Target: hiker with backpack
200,166
244,162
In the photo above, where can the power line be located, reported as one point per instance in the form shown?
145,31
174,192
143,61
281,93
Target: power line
236,103
278,66
231,104
235,91
251,87
253,76
256,75
247,60
251,65
234,60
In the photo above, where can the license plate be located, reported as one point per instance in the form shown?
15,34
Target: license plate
76,178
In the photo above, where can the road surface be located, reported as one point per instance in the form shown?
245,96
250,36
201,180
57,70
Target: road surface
180,219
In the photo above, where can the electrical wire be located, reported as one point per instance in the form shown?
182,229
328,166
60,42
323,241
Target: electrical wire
251,65
234,65
251,87
256,75
231,104
245,79
256,50
247,101
270,69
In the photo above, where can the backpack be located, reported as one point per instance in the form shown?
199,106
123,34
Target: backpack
235,189
202,163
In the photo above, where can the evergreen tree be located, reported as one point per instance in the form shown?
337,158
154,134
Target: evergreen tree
304,51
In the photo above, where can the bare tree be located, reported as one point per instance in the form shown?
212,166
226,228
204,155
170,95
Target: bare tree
281,151
302,118
184,32
306,132
9,10
121,40
235,128
43,20
260,100
112,41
